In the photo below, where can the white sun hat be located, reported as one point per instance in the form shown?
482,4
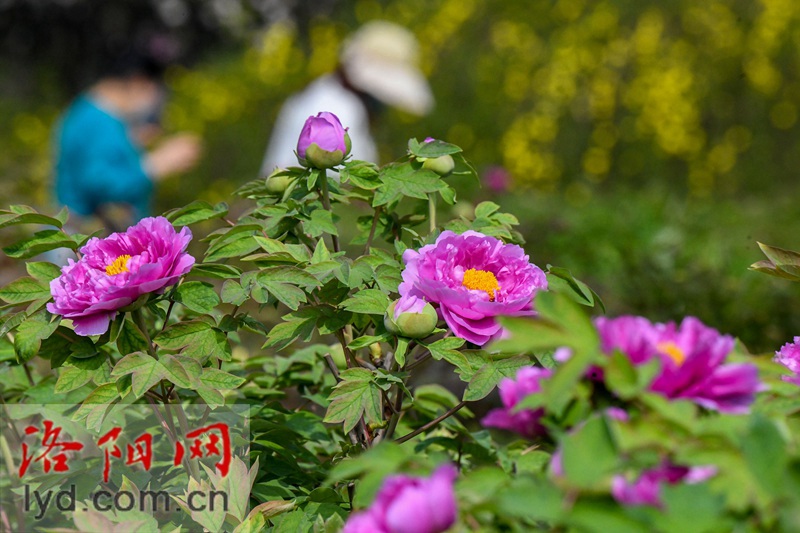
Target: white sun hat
382,59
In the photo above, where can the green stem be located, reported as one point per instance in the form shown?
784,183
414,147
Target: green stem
375,218
326,203
138,319
431,424
432,212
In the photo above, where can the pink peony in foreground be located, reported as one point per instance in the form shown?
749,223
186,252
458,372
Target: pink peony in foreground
646,489
789,356
473,278
512,391
113,272
693,360
406,504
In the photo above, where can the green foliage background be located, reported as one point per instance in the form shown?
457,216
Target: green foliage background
651,143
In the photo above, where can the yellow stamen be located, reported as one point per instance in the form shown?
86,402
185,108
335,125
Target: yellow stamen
119,265
481,280
673,351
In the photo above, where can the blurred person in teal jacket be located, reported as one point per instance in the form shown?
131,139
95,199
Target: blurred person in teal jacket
100,156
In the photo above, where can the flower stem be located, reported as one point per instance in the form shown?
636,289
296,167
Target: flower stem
432,212
138,319
326,203
375,218
431,424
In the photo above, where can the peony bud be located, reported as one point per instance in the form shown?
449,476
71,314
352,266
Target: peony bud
277,182
442,165
410,324
323,143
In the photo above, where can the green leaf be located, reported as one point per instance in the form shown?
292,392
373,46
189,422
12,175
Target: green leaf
355,396
484,209
434,148
233,293
368,301
22,214
298,324
40,242
589,455
145,372
399,180
216,270
486,379
361,174
72,378
288,274
131,339
198,296
447,349
24,290
367,340
197,211
199,339
42,271
400,351
321,221
29,336
217,379
240,246
562,280
176,373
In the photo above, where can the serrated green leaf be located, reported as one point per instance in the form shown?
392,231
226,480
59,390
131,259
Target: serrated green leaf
24,290
71,378
486,379
175,372
198,296
355,396
233,293
29,336
485,209
199,340
131,339
321,222
218,379
401,179
368,301
447,349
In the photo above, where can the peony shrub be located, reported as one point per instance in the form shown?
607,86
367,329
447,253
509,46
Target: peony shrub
402,373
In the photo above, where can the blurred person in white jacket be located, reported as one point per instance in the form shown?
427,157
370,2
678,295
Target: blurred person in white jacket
378,66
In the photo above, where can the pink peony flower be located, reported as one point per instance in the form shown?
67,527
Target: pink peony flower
473,278
406,504
693,360
512,391
646,489
323,142
789,356
113,272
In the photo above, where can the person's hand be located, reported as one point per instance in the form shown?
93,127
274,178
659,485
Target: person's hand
176,154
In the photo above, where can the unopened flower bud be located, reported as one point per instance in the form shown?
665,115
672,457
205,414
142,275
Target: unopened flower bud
277,182
323,143
442,165
410,324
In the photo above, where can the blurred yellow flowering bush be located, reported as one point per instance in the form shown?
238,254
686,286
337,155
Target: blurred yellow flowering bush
571,92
